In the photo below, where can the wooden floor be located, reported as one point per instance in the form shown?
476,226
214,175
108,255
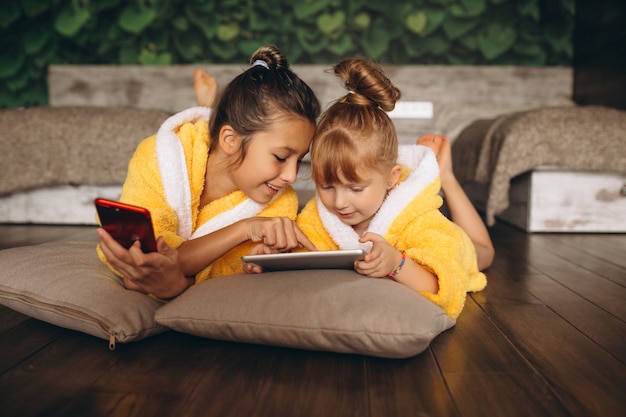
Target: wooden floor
546,338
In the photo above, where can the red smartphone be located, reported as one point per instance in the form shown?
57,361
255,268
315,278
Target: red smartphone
126,223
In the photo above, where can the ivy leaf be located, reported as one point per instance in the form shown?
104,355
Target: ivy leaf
200,6
455,28
227,31
161,39
312,42
11,12
434,18
273,8
496,39
442,2
35,38
469,8
10,63
180,23
247,46
148,57
362,20
258,23
470,42
436,45
528,49
535,55
188,44
344,45
19,81
70,21
308,8
558,36
416,22
33,8
570,6
135,20
225,52
128,55
531,9
45,56
207,24
376,41
329,23
413,49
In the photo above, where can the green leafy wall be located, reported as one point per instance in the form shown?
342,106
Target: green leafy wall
36,33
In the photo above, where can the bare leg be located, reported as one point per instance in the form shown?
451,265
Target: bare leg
205,87
462,211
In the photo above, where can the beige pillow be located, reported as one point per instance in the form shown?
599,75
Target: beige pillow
333,310
64,283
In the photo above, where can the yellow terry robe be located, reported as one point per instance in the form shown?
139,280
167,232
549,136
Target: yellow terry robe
166,176
410,220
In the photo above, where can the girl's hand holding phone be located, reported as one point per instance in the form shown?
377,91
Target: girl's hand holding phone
157,273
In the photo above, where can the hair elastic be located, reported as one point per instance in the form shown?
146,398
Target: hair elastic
261,63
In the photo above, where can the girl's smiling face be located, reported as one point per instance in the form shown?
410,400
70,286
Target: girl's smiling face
355,204
273,158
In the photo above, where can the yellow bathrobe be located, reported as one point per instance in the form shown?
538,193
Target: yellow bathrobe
166,176
410,220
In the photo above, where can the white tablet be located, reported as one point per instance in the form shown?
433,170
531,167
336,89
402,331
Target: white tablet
332,259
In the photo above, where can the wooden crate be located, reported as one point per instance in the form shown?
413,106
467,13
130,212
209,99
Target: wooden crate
549,199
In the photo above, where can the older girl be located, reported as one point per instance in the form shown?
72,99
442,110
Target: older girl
218,181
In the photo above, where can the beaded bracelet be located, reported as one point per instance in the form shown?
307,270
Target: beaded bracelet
399,268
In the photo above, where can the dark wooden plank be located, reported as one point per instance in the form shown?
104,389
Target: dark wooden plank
595,323
151,377
485,373
600,326
609,247
408,387
45,383
268,381
584,253
24,340
10,318
503,394
117,404
79,375
534,255
586,378
601,291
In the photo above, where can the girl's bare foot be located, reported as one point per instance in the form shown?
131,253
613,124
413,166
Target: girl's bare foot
432,141
205,87
441,147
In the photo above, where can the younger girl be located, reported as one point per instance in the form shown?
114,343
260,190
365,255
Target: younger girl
375,195
215,187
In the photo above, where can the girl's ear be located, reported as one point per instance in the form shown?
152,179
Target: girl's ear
229,140
394,176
